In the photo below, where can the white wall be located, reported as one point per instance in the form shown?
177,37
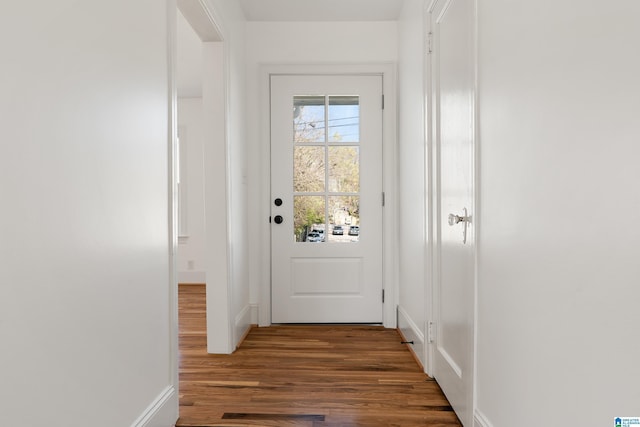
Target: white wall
189,52
412,311
558,290
191,262
85,291
297,43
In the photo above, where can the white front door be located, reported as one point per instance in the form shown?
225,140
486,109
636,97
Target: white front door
452,59
326,199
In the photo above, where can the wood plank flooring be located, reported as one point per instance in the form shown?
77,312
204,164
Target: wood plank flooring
303,376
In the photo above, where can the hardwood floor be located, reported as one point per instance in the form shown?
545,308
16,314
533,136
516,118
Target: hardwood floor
303,376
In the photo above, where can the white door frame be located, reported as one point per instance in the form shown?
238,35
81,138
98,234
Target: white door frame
429,177
172,197
389,168
206,23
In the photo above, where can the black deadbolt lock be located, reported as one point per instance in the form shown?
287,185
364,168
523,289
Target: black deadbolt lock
278,202
278,219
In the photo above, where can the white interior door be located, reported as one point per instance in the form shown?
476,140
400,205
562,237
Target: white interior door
452,59
326,204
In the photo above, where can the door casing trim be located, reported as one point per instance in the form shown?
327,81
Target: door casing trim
389,167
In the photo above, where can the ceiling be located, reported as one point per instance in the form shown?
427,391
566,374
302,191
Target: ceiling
321,10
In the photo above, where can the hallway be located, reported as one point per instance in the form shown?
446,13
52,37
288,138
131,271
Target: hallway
316,376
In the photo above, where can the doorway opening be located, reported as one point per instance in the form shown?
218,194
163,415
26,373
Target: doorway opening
388,177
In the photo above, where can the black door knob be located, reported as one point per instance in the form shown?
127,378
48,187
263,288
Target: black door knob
278,201
278,219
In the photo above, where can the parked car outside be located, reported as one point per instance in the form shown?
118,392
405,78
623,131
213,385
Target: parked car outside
338,230
354,230
314,236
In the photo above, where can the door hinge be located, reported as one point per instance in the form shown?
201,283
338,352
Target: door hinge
383,296
430,331
383,101
383,199
429,43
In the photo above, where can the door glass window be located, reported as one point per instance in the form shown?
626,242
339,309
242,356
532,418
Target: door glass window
308,119
309,218
326,168
308,169
344,169
344,119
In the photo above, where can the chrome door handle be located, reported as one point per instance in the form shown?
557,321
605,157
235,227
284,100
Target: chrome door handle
456,219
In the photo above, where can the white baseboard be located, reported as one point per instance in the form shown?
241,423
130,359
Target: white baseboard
162,412
254,313
412,332
479,420
192,277
242,325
